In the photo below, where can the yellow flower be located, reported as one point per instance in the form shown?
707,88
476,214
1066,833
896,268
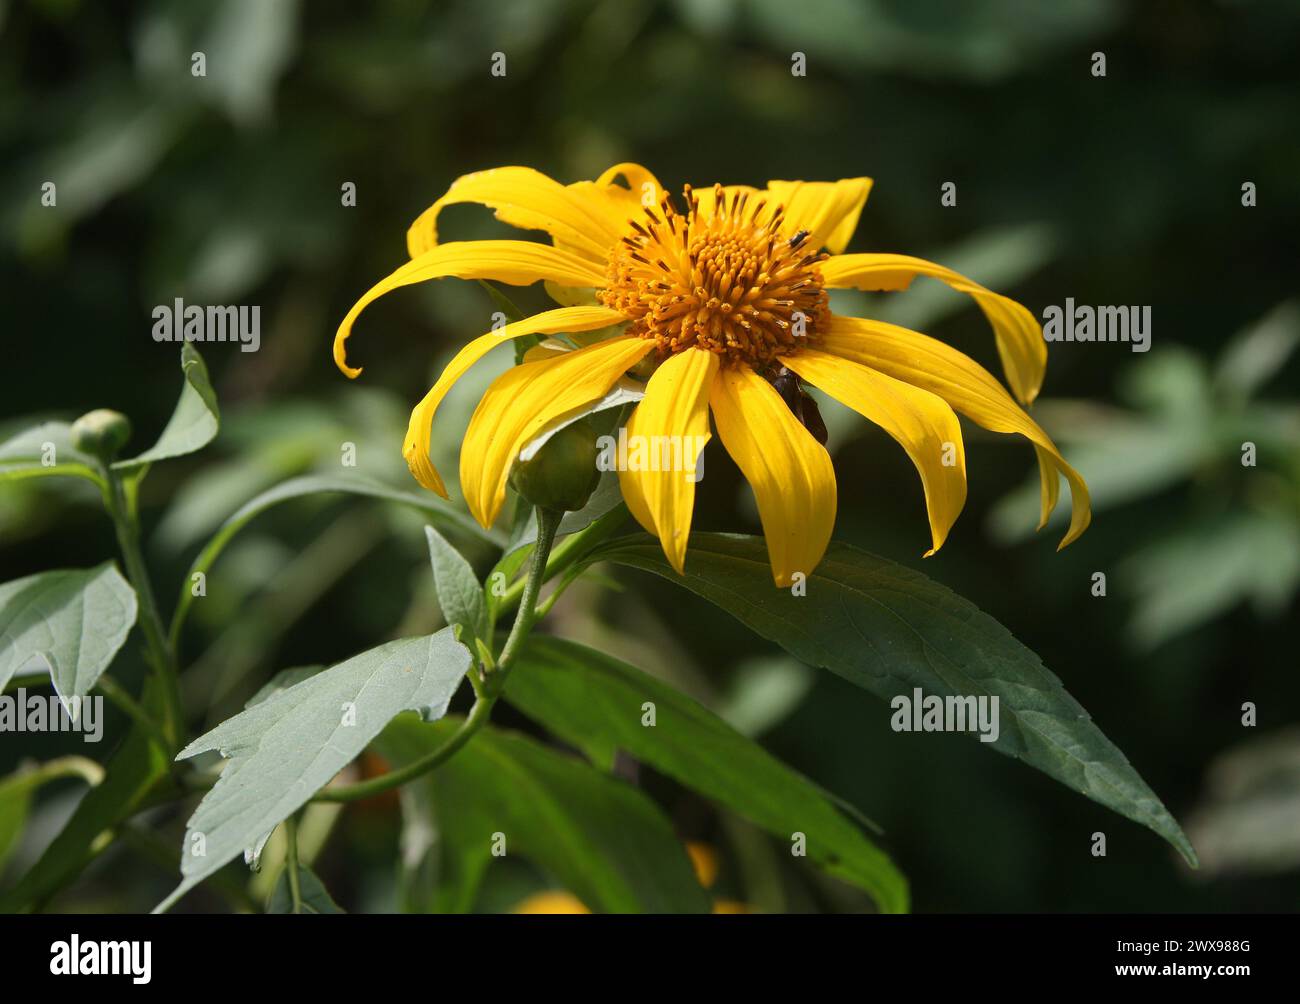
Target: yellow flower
551,901
727,294
704,859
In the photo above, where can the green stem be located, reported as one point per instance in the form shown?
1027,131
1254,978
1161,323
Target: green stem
477,717
161,653
291,862
575,547
52,770
548,521
118,695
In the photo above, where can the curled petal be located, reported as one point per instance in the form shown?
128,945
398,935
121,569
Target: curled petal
920,421
526,199
518,263
418,432
928,363
1019,335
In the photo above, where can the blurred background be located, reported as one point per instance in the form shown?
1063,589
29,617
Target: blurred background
1124,190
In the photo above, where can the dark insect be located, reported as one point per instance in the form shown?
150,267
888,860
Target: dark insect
801,405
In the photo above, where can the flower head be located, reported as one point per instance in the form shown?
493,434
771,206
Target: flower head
723,295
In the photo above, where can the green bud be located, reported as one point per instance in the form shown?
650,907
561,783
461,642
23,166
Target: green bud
101,433
562,474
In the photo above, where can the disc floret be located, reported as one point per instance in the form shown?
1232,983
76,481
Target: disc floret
729,281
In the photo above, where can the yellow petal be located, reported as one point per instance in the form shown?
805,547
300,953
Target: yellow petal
1019,335
518,263
675,413
526,199
828,209
416,446
705,860
522,401
922,423
618,203
968,387
790,472
636,176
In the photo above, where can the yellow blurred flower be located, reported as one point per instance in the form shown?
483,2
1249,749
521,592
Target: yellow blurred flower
704,859
726,298
551,901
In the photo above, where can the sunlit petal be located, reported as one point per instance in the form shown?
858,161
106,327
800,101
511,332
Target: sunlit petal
418,433
522,401
829,210
671,423
1019,335
529,200
517,263
790,472
920,421
926,362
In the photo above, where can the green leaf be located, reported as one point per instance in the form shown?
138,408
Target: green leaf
314,484
599,837
15,802
315,898
1257,354
133,771
195,421
74,619
285,748
18,789
889,629
459,594
282,680
45,450
1255,555
586,697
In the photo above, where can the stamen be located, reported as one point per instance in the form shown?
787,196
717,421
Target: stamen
720,280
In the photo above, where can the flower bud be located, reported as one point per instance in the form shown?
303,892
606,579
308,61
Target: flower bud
101,433
562,474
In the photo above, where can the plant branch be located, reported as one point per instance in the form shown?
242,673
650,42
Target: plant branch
116,693
478,715
575,547
548,521
52,770
161,653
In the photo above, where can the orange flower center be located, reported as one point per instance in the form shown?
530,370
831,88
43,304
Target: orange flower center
728,282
